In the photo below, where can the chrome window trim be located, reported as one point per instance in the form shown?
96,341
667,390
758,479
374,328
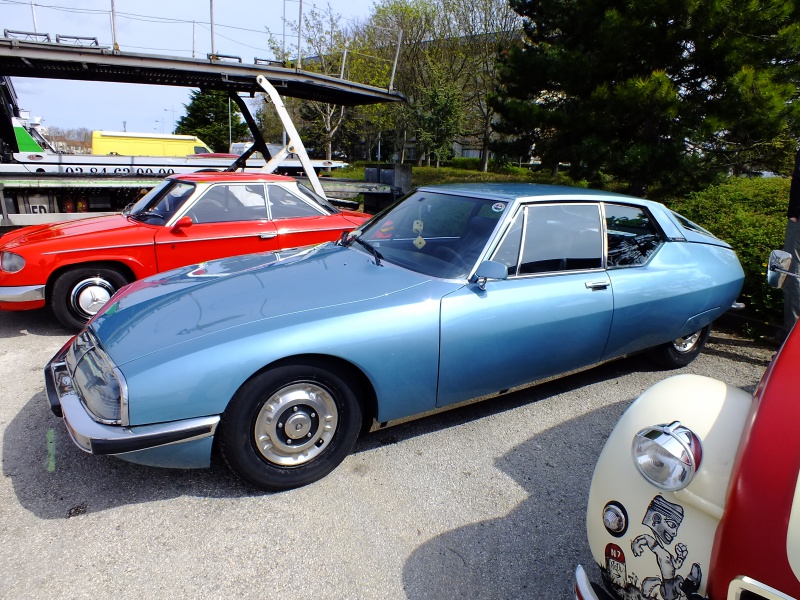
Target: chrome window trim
573,202
659,230
297,194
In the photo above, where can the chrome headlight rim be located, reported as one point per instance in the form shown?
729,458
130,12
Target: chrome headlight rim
86,343
11,262
668,438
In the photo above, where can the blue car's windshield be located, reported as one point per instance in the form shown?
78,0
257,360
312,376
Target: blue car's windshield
162,201
434,233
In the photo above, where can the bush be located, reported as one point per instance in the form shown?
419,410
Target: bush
458,162
749,214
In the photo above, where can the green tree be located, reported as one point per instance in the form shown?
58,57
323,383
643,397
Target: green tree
324,43
208,117
441,117
484,28
664,92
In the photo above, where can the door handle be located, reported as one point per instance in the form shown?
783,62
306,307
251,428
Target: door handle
269,235
596,285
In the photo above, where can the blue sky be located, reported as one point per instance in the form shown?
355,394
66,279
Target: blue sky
171,27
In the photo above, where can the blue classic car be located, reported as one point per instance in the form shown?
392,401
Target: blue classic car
454,293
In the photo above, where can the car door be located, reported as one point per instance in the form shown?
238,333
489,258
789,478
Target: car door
552,315
657,286
227,220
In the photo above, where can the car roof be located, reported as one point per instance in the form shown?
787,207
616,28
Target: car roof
230,177
529,191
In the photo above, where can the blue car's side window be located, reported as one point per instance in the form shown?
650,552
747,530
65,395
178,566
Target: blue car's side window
561,237
632,236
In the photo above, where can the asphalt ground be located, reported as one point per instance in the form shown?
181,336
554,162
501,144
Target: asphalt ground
484,501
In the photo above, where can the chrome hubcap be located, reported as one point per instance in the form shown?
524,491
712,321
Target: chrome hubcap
685,344
296,424
89,296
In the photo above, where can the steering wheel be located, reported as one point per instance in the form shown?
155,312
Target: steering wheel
449,255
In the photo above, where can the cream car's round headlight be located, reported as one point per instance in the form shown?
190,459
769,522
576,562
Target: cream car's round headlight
10,262
667,456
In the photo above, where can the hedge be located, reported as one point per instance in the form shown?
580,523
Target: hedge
749,214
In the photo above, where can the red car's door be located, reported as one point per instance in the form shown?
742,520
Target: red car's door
227,220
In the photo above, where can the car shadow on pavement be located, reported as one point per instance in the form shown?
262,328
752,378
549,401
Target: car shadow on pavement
505,402
40,322
54,479
532,551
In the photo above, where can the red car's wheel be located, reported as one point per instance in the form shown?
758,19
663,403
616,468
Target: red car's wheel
79,294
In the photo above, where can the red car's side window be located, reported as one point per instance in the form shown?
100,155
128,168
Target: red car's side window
226,203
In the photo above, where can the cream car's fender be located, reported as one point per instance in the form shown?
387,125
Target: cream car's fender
669,535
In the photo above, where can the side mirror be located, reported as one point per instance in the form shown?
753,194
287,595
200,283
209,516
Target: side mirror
490,269
182,223
778,268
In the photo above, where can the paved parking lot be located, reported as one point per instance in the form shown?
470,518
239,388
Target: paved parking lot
485,501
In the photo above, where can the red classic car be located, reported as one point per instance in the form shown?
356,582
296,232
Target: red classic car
76,266
696,492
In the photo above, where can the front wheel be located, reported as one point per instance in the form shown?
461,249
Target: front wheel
290,426
681,351
80,293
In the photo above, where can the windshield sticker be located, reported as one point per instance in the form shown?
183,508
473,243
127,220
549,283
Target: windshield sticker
663,519
498,207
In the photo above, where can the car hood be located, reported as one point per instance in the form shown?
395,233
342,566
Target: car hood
107,224
256,291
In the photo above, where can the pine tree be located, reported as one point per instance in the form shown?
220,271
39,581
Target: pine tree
207,118
653,92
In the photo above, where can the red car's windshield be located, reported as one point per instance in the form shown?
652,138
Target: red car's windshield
162,201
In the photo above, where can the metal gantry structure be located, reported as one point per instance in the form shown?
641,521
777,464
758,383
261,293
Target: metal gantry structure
28,56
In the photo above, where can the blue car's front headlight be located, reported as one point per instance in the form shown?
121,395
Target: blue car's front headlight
97,381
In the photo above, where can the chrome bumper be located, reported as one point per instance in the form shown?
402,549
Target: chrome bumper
23,293
97,438
583,587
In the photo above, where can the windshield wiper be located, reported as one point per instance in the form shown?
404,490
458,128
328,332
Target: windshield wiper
146,214
371,248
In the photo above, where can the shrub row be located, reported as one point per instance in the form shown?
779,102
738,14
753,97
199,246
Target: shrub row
749,214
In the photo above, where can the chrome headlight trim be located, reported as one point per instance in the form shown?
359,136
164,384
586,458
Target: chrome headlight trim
85,359
667,456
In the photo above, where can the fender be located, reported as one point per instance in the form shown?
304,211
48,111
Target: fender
669,536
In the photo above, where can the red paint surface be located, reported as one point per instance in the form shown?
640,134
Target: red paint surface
751,538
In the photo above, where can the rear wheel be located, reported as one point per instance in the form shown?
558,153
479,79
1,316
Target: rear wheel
290,426
681,351
80,293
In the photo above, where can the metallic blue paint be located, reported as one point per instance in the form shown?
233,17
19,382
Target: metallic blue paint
186,340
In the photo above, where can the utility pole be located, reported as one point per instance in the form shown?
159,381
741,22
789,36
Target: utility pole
299,37
33,12
114,27
211,3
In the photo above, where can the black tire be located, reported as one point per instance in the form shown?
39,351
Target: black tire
272,434
682,351
80,292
